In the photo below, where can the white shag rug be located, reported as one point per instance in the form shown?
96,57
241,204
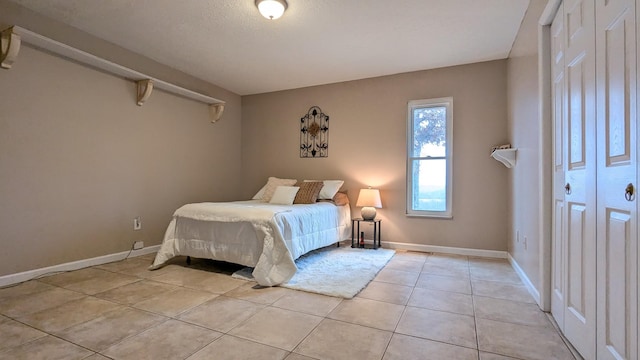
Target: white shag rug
333,271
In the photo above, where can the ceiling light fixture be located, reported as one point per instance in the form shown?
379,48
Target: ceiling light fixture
271,9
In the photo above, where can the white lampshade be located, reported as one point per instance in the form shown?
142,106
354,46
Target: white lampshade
369,199
271,9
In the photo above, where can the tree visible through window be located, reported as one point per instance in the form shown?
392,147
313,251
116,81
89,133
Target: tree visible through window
429,157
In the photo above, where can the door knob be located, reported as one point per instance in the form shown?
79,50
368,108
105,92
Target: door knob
567,189
629,192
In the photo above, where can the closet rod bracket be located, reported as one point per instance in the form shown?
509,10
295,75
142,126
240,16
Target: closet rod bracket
215,112
9,47
145,87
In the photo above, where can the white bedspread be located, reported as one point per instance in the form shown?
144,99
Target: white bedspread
252,233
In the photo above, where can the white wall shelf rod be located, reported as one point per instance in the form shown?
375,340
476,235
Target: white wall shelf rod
15,34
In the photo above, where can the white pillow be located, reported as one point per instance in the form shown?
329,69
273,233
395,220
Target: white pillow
259,194
329,189
284,195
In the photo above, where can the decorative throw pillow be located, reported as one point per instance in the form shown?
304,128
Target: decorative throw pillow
341,199
308,193
272,184
329,189
284,195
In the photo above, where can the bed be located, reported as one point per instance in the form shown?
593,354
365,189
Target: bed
267,236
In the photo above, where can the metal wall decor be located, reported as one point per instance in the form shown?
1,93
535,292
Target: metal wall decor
314,134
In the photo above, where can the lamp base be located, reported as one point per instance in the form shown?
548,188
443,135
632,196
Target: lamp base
368,213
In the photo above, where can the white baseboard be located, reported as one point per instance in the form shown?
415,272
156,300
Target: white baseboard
75,265
525,279
446,250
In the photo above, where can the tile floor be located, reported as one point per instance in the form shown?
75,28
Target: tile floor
420,306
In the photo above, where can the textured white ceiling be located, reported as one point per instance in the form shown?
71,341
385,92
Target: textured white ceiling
228,43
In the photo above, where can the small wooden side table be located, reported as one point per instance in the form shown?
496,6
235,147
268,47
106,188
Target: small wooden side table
355,224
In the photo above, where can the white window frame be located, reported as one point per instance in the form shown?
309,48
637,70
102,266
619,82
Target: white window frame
411,106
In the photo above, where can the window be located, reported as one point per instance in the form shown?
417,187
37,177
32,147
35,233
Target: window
429,145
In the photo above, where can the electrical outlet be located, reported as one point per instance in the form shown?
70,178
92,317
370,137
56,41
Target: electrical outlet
137,223
138,245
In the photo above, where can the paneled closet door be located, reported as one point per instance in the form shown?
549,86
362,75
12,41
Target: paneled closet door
575,214
617,245
558,114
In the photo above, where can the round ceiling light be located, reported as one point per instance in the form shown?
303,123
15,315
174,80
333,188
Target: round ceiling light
271,9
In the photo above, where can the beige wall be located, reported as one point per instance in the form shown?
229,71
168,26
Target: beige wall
524,239
524,131
79,160
367,147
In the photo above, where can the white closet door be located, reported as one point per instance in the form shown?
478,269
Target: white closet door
558,114
580,174
574,306
617,170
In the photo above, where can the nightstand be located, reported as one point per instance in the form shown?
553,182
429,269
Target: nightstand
355,232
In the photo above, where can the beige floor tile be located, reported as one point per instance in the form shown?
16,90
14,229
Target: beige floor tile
69,314
495,274
520,341
391,293
448,259
490,356
277,327
136,292
309,303
170,340
200,280
404,265
337,340
105,281
404,347
397,277
150,257
443,269
253,292
442,300
89,280
411,255
174,274
46,348
23,305
510,311
175,302
489,263
372,313
97,356
124,265
440,326
142,270
70,277
110,328
294,356
444,283
14,333
501,290
221,314
233,348
25,288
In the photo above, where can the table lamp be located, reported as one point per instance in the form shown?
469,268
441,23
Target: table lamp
369,199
